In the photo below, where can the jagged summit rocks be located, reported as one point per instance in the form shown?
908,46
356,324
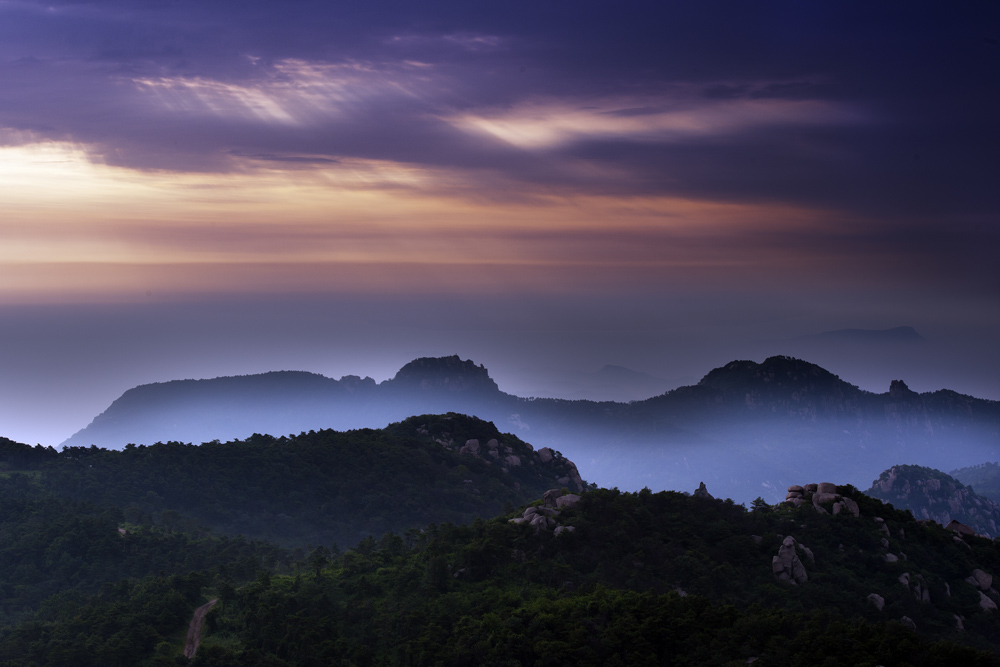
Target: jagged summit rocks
702,492
505,451
821,495
899,391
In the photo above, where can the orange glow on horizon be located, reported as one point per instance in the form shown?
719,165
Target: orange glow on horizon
77,229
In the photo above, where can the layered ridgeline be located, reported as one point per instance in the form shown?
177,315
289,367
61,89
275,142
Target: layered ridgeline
746,428
932,494
609,578
320,487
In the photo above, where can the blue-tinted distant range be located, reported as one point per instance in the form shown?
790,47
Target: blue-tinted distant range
746,429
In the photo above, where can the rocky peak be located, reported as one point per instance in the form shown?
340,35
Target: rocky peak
898,390
824,498
782,385
450,374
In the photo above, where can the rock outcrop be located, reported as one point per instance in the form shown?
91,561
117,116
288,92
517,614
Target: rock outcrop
554,501
502,454
787,566
821,495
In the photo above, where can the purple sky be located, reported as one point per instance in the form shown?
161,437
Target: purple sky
189,189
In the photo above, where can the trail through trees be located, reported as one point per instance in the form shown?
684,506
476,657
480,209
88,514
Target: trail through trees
194,630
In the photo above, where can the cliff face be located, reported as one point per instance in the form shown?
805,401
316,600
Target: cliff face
932,494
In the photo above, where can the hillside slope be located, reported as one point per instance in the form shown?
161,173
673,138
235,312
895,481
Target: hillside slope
320,487
613,579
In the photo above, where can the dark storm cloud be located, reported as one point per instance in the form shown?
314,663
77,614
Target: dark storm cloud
905,97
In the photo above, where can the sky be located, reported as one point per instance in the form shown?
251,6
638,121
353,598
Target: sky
191,189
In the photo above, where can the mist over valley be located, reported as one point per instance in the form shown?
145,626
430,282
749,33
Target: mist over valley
746,429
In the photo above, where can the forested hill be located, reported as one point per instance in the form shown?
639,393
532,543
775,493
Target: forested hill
320,487
600,578
746,428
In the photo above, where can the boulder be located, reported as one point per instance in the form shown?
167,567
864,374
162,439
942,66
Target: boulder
958,622
826,487
513,460
574,475
550,496
567,501
891,558
786,566
563,529
877,600
545,455
983,581
492,443
702,492
986,603
908,622
847,506
808,552
795,488
821,498
810,488
470,447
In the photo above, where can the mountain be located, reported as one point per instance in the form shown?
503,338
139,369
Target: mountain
888,336
932,494
599,578
320,487
985,477
748,429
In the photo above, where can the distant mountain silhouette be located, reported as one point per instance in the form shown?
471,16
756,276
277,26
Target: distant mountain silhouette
894,335
746,429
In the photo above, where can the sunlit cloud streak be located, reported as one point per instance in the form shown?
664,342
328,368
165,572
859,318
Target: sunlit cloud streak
717,135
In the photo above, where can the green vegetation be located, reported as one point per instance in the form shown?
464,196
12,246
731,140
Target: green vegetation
630,579
645,578
321,487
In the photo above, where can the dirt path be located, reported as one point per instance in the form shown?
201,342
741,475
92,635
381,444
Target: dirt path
194,630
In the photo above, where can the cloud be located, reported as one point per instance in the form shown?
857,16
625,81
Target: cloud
470,113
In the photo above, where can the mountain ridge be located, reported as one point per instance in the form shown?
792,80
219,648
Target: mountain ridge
749,428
